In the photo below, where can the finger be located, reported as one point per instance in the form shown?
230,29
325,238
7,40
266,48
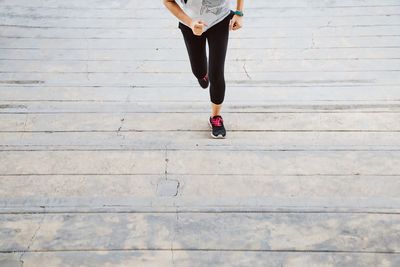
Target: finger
230,25
203,22
234,26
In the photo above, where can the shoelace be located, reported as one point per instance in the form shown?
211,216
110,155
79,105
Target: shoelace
217,121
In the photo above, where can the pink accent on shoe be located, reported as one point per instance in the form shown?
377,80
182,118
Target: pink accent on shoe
205,78
217,120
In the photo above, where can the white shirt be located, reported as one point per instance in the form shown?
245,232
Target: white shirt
209,11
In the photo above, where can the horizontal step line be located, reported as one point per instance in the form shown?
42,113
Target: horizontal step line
176,48
204,250
158,38
188,130
197,149
247,102
357,59
158,8
162,174
319,111
34,17
39,84
167,19
315,111
185,211
136,60
175,26
196,174
174,72
230,38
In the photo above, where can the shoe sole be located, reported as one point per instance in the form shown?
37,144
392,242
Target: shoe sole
213,136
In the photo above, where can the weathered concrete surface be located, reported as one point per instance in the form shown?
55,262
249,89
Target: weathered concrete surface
106,157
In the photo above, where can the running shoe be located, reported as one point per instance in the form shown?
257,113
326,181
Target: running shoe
204,81
217,125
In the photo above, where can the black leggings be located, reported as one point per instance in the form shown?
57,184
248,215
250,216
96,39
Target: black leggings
217,37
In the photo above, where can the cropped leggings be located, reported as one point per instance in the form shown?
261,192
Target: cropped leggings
217,37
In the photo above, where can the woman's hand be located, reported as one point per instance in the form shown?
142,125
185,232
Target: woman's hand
235,23
197,26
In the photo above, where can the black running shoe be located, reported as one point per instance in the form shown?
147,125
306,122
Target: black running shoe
204,81
217,125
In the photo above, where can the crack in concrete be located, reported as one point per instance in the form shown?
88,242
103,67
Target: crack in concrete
166,162
177,188
24,127
140,65
167,187
245,70
172,253
33,239
173,238
312,41
120,127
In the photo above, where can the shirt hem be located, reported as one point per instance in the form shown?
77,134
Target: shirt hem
219,20
229,12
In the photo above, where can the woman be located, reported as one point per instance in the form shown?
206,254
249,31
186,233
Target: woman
210,20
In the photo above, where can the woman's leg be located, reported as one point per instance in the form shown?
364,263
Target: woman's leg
196,47
217,37
215,109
